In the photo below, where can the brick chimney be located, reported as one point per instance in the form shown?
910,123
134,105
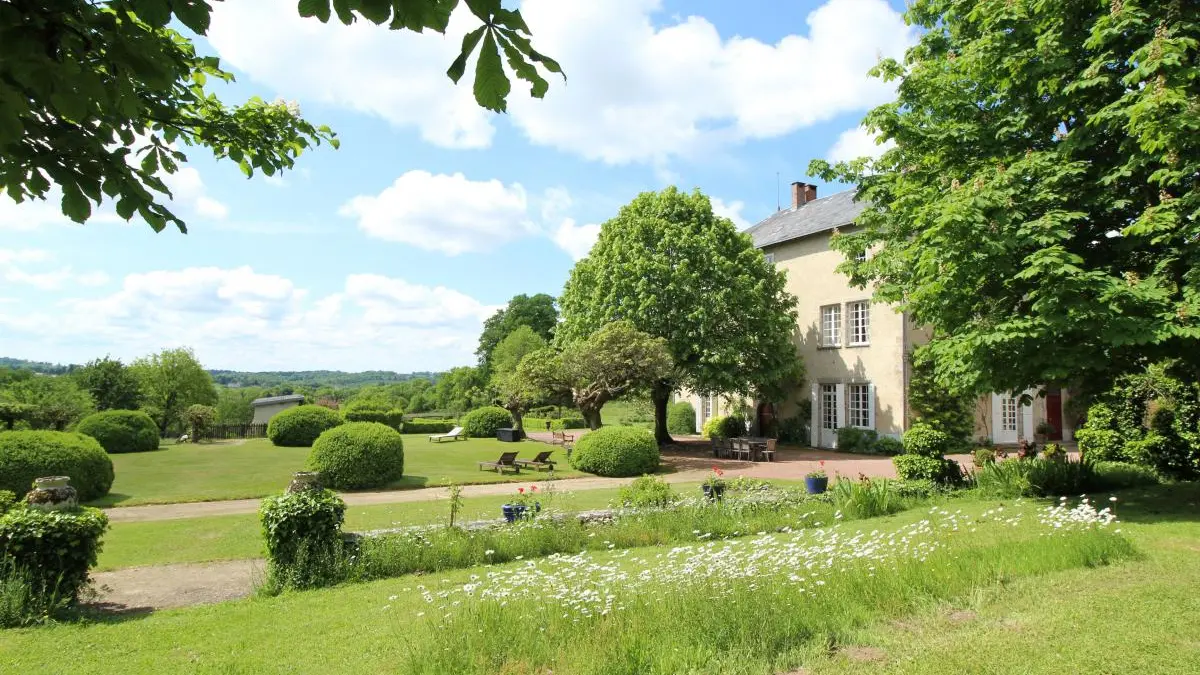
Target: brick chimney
802,193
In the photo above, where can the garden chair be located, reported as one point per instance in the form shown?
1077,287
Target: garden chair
508,460
455,434
767,450
539,461
741,449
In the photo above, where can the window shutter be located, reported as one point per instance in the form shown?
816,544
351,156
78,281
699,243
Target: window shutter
814,424
871,406
840,408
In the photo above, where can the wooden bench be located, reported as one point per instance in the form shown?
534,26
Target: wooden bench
561,438
508,460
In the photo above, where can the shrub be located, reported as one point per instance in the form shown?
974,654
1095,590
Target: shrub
361,413
121,430
886,445
51,551
198,420
1101,444
483,422
556,424
728,426
922,439
303,535
681,418
853,439
428,426
358,455
616,452
1121,475
26,455
714,427
299,427
1054,452
647,492
794,430
1037,478
922,467
7,500
983,457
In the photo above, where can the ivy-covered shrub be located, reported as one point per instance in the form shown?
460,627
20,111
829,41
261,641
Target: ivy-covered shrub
922,467
616,452
952,413
358,455
7,500
359,413
886,445
303,535
681,418
1101,445
483,422
853,439
428,426
647,492
922,439
26,455
51,551
121,430
299,427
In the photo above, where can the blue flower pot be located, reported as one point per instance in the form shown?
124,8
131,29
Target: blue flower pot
816,486
713,492
515,512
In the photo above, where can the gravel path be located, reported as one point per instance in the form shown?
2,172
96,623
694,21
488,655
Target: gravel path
143,589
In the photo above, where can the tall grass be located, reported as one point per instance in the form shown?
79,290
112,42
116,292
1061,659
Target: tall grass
867,498
24,602
1052,477
747,625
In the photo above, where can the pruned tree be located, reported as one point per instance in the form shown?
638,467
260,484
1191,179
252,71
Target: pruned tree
97,96
616,360
171,381
1040,209
198,420
676,271
512,392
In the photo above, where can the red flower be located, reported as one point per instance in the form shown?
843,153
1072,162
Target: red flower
822,463
533,488
521,490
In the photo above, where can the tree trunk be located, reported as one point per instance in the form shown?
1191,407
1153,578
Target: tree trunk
591,416
518,422
661,395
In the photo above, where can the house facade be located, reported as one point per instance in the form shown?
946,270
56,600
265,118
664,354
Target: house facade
266,408
855,351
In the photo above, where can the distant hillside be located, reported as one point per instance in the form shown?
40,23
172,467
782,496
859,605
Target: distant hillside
235,378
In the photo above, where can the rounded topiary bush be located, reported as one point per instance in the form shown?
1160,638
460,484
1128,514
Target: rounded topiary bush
300,426
358,455
26,455
922,439
681,418
616,452
121,430
483,422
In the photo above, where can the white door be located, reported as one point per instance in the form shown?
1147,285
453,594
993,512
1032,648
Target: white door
1011,421
831,414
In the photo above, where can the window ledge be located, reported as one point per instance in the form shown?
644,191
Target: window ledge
829,347
859,344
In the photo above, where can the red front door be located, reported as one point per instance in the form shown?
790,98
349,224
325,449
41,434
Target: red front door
1054,413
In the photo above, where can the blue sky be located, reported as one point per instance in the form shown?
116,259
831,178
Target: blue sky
389,253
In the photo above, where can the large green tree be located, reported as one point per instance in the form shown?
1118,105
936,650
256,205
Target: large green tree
171,381
511,391
1040,208
233,404
675,270
111,383
459,390
616,360
536,311
82,81
42,401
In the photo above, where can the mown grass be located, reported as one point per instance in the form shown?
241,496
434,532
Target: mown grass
376,627
196,472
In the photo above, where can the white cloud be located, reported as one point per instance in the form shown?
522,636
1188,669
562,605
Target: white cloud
732,211
854,143
637,92
22,255
239,318
576,240
188,190
443,213
15,263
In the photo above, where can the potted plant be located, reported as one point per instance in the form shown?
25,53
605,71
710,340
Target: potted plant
817,481
1026,450
1044,431
524,505
714,485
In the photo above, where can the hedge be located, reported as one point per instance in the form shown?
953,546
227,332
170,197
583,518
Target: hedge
26,455
358,455
51,551
393,418
483,422
428,426
556,424
300,426
121,430
616,452
681,418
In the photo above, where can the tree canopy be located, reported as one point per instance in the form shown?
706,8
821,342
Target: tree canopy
173,380
111,383
678,272
536,311
1040,208
96,97
513,392
41,401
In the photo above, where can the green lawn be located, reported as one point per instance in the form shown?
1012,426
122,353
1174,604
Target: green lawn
1136,615
255,468
235,537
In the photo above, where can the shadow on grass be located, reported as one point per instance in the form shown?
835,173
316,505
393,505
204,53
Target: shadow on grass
1176,502
110,499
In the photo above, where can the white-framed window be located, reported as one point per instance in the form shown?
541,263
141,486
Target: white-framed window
861,256
707,405
829,403
769,257
831,326
859,396
860,322
1008,414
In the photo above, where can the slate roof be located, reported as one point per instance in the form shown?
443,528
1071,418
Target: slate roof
277,399
819,215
